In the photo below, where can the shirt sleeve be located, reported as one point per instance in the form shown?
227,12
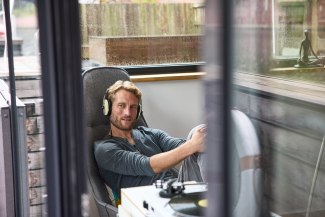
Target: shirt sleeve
167,142
110,156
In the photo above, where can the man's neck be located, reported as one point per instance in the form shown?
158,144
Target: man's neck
125,134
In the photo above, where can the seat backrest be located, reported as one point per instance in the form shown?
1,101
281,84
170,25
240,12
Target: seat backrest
95,82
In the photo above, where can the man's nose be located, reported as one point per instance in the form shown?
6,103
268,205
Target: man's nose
127,111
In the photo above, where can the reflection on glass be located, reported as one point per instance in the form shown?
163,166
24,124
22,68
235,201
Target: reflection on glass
28,89
290,20
286,104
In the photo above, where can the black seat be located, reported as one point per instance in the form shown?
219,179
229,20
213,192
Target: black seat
95,82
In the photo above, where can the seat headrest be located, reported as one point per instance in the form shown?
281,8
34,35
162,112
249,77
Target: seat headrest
95,83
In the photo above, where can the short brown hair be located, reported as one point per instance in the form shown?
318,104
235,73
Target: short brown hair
125,85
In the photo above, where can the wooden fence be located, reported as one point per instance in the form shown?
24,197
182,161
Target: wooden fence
137,20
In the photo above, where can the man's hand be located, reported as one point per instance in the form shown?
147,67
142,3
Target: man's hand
198,139
166,160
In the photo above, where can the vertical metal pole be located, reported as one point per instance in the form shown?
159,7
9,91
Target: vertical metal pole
63,112
227,88
13,113
218,56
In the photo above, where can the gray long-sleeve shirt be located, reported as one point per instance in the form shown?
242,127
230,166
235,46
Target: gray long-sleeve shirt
124,165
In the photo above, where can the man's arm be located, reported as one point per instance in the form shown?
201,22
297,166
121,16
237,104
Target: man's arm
110,156
163,161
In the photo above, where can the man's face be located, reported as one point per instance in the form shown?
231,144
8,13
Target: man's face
124,110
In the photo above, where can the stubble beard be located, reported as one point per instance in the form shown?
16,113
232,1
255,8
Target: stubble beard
117,123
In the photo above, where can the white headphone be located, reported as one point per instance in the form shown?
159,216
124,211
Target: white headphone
107,106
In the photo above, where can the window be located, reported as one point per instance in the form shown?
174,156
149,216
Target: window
291,19
273,32
126,33
24,24
284,101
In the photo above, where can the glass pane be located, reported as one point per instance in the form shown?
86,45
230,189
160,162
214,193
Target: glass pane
29,91
288,25
141,32
279,84
298,40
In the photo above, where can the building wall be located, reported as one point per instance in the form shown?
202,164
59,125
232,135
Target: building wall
29,91
173,106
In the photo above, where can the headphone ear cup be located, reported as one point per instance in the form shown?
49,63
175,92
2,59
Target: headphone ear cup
139,111
105,107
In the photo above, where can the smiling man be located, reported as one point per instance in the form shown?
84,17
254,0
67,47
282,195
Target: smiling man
129,157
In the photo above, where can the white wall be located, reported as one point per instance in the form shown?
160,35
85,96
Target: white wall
173,106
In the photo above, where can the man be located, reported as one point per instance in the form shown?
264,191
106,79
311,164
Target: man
129,156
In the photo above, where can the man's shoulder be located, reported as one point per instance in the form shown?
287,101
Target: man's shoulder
146,132
107,143
141,128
